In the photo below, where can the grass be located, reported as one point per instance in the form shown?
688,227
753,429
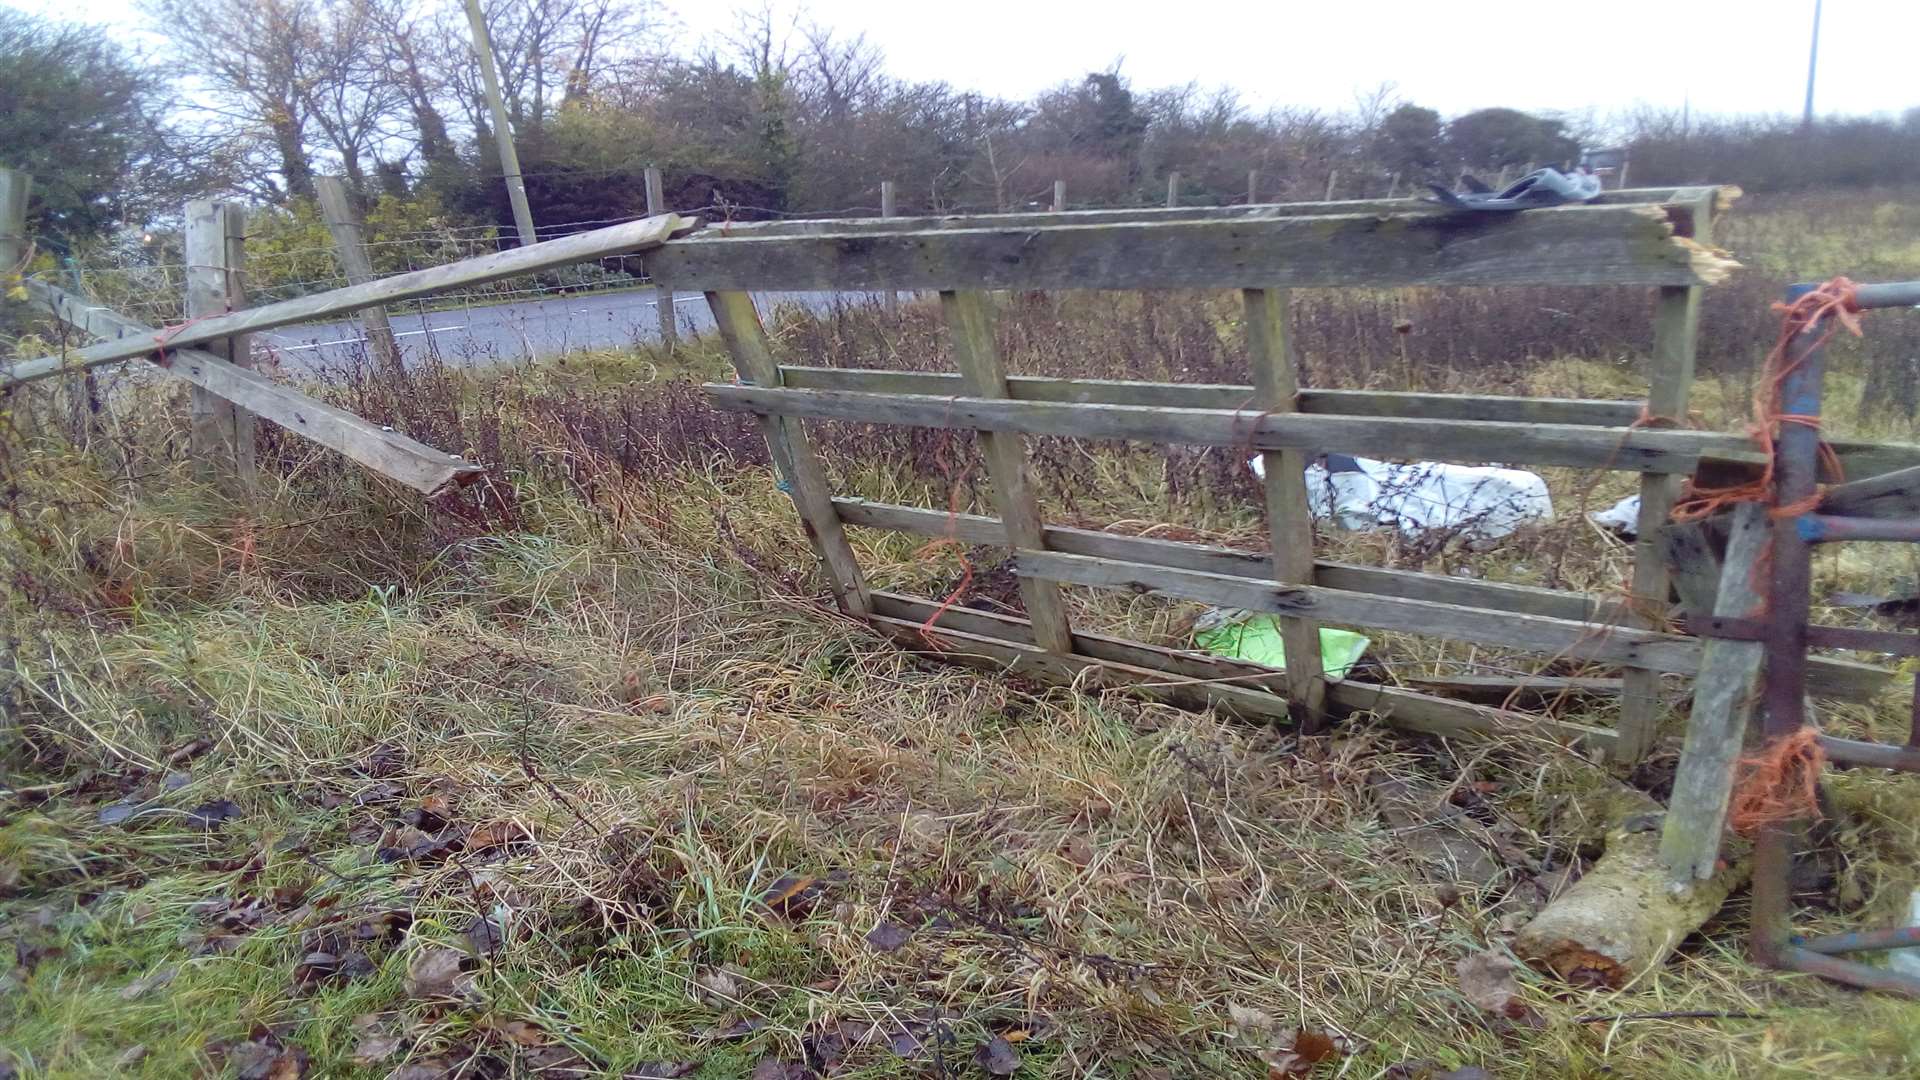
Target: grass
590,728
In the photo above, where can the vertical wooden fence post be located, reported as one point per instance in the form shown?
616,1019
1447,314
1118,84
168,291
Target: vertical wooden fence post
1173,188
1289,514
970,325
886,211
662,290
1393,182
1059,196
1333,177
349,245
1253,186
222,433
1675,339
15,186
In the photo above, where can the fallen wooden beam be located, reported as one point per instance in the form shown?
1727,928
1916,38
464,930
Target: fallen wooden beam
566,251
378,448
1534,690
1639,450
1569,245
1197,680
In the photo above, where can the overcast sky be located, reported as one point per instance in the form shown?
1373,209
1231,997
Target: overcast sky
1726,56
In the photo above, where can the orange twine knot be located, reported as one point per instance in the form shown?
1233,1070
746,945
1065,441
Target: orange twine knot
1778,784
1836,301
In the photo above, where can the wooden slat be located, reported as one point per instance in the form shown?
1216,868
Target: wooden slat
1673,200
1001,641
1408,406
1861,460
1526,633
1692,565
969,319
1722,700
221,433
1289,514
1626,647
1412,585
566,251
1670,379
1440,440
386,452
794,458
1577,245
1893,494
1535,690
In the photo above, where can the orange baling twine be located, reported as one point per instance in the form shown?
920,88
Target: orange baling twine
1835,299
1781,782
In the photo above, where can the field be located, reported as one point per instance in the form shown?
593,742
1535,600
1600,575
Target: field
575,773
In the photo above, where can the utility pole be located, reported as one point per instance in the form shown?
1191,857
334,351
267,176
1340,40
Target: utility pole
1813,62
502,131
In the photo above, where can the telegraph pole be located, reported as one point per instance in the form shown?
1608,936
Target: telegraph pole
1813,62
509,161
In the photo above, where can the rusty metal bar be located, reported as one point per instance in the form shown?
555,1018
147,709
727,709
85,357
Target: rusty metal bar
1890,642
1828,529
1872,755
1864,976
1901,937
1789,604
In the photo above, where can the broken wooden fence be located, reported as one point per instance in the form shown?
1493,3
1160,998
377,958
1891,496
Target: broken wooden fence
208,350
1656,238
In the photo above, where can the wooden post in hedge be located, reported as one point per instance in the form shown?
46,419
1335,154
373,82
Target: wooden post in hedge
222,433
886,211
662,291
349,245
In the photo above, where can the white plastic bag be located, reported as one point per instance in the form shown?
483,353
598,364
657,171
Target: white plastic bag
1481,503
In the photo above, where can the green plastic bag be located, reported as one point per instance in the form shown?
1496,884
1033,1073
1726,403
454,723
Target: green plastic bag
1258,639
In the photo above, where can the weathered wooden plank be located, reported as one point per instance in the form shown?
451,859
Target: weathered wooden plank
386,452
1403,405
1440,440
1232,685
221,433
1670,379
795,460
1535,690
1412,585
1723,697
1626,647
1575,245
349,245
969,319
620,239
1893,494
1862,460
1674,200
1692,564
1289,514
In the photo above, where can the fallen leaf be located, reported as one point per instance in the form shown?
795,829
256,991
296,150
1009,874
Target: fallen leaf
496,835
997,1056
776,1069
209,816
119,812
739,1029
888,937
433,1068
717,983
1254,1025
130,1056
376,1047
518,1032
435,972
559,1063
1486,981
141,986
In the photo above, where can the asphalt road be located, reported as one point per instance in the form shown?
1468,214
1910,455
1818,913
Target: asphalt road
512,333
